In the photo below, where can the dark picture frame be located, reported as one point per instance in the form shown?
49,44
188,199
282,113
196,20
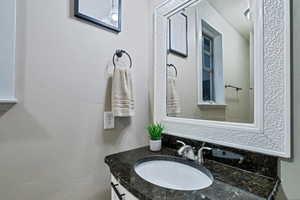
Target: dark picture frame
98,22
173,26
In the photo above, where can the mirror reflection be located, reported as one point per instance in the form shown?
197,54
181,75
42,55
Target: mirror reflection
210,61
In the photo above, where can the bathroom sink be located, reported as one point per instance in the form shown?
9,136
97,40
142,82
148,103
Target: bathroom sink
173,173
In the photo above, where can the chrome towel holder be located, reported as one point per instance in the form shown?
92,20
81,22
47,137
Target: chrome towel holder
234,87
119,53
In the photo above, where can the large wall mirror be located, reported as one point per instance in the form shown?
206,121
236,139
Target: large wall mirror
219,69
233,86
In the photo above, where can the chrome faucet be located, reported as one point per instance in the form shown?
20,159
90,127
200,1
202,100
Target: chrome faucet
186,151
200,159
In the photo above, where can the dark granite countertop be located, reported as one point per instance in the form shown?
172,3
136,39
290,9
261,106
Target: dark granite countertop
230,183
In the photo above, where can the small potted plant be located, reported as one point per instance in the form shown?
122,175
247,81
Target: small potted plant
155,133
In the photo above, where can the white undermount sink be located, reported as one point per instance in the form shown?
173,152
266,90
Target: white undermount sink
173,174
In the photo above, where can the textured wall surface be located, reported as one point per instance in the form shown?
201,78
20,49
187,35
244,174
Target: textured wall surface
52,144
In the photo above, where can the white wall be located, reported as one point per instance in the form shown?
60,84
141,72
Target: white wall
290,169
52,144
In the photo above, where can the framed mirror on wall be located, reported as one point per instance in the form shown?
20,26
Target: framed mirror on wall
233,89
106,13
178,34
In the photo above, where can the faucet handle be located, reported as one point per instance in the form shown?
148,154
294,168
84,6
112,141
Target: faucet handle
182,150
200,154
206,148
187,151
180,142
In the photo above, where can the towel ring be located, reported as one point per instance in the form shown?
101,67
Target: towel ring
171,65
119,53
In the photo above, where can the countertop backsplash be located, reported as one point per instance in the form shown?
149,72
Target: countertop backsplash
254,162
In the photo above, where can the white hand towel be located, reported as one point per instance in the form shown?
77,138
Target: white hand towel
173,100
122,93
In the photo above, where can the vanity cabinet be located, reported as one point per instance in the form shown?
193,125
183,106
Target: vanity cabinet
118,192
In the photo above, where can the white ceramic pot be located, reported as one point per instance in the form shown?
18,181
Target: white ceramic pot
155,145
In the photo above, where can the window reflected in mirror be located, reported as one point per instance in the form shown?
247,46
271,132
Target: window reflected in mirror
214,80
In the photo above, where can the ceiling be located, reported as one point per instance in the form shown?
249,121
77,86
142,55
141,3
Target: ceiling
233,12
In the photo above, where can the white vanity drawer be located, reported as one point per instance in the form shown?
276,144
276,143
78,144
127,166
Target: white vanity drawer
118,192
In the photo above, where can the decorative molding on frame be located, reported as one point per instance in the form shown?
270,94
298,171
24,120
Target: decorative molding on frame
270,134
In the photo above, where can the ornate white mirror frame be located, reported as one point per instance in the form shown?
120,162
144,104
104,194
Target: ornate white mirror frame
270,132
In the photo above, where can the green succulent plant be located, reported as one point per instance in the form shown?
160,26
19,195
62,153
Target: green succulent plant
155,131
